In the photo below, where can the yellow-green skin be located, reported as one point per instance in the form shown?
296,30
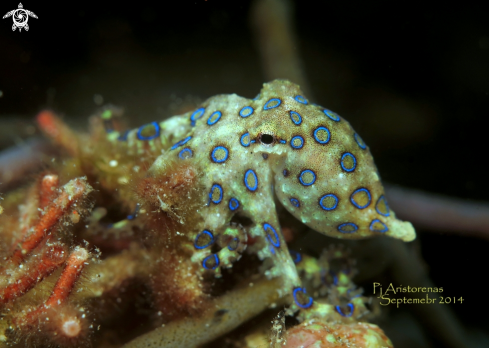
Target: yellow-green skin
278,167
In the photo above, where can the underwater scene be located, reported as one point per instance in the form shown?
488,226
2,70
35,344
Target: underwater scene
243,174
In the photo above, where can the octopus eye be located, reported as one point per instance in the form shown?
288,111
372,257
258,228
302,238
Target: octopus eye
267,139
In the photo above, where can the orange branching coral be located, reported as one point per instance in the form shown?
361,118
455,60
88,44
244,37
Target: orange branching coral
39,248
63,323
48,229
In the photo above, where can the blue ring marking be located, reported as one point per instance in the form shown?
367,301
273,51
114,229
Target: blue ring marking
156,135
332,115
358,205
300,99
385,229
360,141
216,261
326,196
135,214
305,172
180,143
123,136
292,114
196,115
252,142
204,232
252,172
297,256
342,226
213,154
268,107
352,309
297,146
184,151
233,204
235,239
347,154
283,141
242,139
316,136
295,202
266,227
303,290
219,187
382,198
211,122
246,111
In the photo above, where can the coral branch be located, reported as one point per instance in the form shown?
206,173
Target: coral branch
56,319
37,270
440,213
70,193
71,273
58,131
63,287
48,193
273,23
229,312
